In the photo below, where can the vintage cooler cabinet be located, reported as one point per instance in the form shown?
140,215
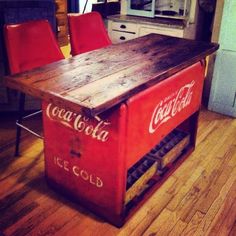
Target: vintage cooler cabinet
116,151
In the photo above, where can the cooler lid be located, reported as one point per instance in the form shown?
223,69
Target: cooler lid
96,81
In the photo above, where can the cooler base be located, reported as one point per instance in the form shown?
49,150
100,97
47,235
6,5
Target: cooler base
99,213
119,220
155,176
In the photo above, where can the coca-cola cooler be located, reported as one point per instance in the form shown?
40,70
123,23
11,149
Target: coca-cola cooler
112,162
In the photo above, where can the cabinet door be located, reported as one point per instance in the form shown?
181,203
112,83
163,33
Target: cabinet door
223,91
122,31
124,26
118,36
228,26
144,30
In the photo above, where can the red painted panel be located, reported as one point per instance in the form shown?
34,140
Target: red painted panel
153,113
90,157
86,156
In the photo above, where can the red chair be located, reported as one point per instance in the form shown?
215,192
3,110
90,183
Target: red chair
29,45
87,32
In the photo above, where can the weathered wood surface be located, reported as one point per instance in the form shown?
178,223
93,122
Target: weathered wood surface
96,81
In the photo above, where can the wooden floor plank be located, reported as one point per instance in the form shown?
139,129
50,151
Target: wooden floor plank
178,229
163,224
227,214
193,224
198,198
233,230
212,215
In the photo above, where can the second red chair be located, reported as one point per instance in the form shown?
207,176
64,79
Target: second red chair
87,32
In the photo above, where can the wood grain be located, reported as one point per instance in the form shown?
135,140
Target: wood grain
198,199
96,81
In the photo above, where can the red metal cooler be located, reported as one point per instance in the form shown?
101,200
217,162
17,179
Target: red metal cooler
90,158
119,120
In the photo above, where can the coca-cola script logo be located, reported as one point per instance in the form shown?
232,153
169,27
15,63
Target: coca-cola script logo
170,106
81,123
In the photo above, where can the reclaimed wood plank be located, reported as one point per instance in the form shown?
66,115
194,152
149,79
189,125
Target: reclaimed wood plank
113,55
82,69
86,83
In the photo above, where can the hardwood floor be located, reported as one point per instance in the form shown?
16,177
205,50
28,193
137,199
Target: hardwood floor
198,199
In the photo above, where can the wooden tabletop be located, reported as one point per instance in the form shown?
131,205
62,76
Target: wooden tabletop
96,81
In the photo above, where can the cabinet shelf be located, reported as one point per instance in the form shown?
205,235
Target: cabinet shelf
151,171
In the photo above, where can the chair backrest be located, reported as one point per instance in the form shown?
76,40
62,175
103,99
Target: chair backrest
30,44
87,32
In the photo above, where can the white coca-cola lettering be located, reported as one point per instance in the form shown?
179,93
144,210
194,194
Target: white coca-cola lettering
78,172
96,132
90,178
79,122
168,108
61,163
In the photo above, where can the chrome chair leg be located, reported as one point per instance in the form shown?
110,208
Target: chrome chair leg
19,123
20,117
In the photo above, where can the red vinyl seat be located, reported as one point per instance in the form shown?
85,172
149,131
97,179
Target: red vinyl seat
29,45
87,32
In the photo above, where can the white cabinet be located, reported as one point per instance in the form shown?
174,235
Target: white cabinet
144,30
119,36
122,28
122,31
